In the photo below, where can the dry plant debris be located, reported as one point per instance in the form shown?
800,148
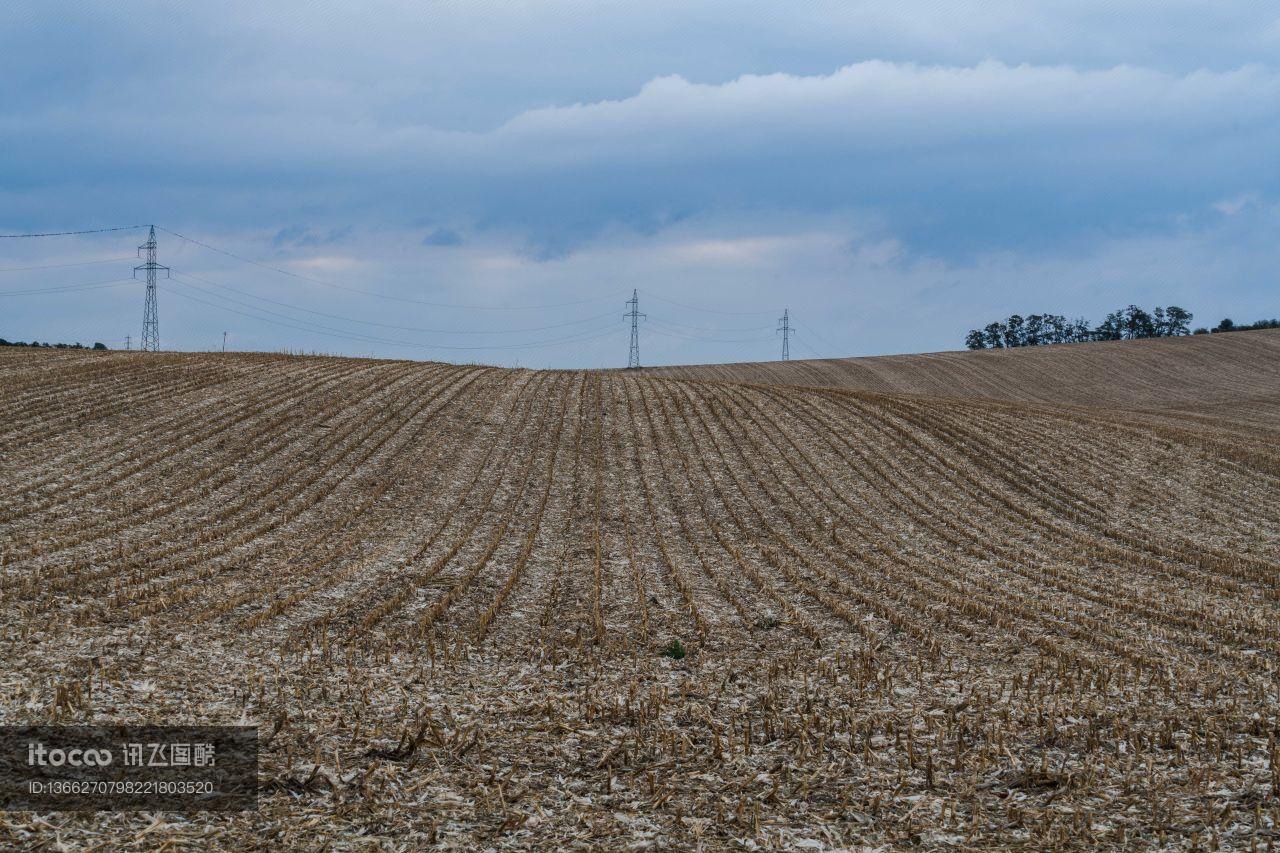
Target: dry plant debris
452,599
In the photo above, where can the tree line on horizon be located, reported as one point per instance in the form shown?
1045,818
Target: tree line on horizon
1041,329
47,345
1127,323
1228,325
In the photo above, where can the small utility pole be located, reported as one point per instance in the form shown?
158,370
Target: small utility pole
128,342
224,341
150,312
785,329
633,304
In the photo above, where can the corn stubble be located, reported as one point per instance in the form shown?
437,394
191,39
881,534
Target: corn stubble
481,607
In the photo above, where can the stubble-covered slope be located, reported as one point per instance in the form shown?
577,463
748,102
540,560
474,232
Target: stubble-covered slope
908,618
1195,372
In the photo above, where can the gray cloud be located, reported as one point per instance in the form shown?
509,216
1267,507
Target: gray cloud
442,237
1037,150
304,237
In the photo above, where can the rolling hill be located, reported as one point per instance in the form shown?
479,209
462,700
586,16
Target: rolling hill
1020,598
1195,372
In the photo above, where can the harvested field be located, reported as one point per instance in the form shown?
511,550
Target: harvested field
1155,373
1020,599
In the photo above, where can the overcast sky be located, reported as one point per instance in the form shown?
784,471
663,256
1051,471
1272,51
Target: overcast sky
892,173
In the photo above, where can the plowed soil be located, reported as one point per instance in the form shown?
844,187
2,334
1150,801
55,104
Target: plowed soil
1017,599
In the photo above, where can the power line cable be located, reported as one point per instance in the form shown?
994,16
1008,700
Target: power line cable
373,293
317,328
816,354
711,329
93,285
671,334
706,310
830,346
192,298
667,328
60,266
392,325
73,233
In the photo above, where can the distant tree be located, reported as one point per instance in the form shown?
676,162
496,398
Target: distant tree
1201,331
1176,321
1137,324
1227,325
1015,334
1079,331
994,333
1055,329
99,345
1110,329
1033,334
975,340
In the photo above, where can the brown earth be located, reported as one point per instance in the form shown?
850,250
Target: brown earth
1198,372
1017,599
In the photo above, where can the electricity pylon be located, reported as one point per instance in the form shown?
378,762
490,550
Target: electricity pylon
150,311
785,328
633,358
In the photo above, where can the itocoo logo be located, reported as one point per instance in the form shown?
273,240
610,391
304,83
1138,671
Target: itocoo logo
40,755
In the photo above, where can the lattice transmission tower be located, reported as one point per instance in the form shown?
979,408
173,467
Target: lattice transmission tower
785,329
633,304
150,310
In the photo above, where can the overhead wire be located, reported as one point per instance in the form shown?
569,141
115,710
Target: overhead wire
672,329
319,328
393,325
830,346
73,233
93,285
713,329
653,295
374,293
61,266
816,354
672,334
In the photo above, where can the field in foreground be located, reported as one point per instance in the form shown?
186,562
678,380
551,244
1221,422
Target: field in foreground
910,618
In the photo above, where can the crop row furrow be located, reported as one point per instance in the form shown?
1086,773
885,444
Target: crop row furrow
977,593
977,543
174,459
381,602
536,445
409,419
